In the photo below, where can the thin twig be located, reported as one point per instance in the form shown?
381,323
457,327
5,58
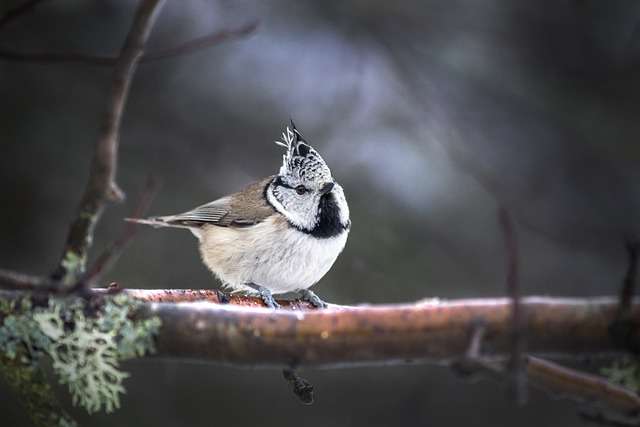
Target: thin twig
111,254
581,386
190,46
475,344
199,43
13,280
623,328
101,184
551,377
473,362
518,382
629,284
18,11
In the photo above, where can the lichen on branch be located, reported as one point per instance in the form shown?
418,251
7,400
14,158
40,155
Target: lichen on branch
85,343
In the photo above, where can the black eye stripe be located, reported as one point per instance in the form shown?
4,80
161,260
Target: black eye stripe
278,182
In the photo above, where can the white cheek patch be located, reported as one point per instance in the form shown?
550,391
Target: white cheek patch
341,201
301,216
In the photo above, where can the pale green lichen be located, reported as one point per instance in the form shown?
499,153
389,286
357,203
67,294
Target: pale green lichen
20,336
625,372
85,350
85,357
73,265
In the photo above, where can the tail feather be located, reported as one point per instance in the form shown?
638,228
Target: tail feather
157,222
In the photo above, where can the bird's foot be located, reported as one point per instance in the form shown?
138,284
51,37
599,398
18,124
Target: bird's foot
312,298
222,297
266,295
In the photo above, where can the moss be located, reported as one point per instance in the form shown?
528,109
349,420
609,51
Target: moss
35,393
625,372
85,350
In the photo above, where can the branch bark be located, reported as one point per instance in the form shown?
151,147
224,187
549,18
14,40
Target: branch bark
14,280
206,326
581,386
197,326
101,185
430,330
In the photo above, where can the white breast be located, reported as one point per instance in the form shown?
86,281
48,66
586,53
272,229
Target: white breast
271,254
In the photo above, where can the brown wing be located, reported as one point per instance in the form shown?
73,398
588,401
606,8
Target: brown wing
241,209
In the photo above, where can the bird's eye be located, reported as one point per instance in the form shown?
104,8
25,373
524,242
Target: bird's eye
300,189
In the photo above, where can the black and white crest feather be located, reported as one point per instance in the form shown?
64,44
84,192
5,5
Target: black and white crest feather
301,161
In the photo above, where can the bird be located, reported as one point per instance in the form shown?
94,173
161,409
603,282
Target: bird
279,234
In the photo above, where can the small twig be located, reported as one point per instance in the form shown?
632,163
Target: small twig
18,11
473,362
190,46
551,377
623,327
475,345
101,183
629,283
13,280
199,43
581,386
518,382
300,387
111,254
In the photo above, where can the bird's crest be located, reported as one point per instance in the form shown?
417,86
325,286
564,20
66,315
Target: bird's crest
301,161
291,137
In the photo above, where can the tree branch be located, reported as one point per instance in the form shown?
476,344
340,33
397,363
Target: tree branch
18,11
581,386
518,383
558,380
111,254
184,48
429,330
101,185
199,43
629,283
243,333
13,280
205,325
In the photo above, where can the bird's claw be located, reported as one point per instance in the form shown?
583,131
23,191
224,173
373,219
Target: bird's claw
312,298
266,295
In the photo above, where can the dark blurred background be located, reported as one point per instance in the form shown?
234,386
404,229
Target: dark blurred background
430,114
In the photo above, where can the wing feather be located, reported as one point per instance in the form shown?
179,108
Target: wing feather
242,209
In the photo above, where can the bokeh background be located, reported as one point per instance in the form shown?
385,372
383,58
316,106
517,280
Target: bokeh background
430,113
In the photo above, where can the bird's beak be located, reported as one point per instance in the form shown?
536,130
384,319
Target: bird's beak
326,188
